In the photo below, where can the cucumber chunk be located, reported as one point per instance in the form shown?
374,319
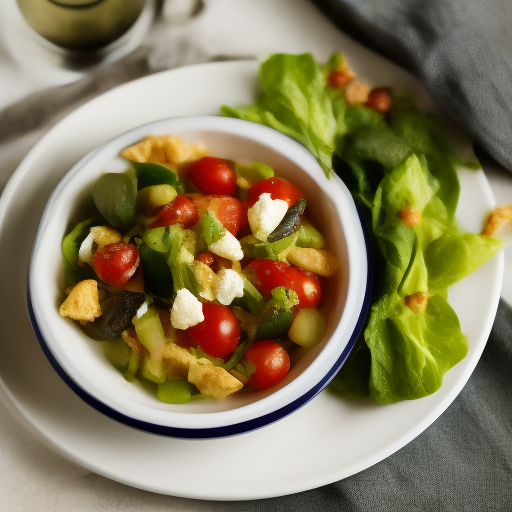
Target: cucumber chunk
307,328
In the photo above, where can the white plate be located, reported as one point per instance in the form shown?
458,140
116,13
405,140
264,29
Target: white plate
327,440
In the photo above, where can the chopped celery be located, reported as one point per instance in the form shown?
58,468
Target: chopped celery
256,249
256,171
310,237
151,371
73,273
182,273
175,391
118,354
157,239
213,230
151,335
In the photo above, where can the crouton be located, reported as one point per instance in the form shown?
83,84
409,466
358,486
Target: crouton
409,216
356,92
177,361
165,150
417,302
212,380
497,220
82,303
318,261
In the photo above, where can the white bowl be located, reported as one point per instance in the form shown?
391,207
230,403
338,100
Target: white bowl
79,360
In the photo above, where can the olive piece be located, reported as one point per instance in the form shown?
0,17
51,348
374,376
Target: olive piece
117,310
114,195
290,222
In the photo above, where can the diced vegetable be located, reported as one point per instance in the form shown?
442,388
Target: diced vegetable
149,174
277,316
154,196
290,222
114,195
117,309
248,175
278,250
157,273
252,299
309,237
307,328
73,273
189,337
151,334
212,175
175,391
118,354
212,229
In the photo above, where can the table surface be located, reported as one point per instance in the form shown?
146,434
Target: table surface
32,476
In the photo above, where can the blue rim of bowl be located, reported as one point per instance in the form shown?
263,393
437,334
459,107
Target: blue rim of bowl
236,428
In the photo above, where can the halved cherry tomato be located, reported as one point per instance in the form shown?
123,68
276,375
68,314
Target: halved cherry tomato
212,176
231,212
278,188
218,334
266,275
379,100
181,210
271,361
116,263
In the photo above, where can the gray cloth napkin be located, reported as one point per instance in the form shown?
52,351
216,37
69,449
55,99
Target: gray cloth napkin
460,49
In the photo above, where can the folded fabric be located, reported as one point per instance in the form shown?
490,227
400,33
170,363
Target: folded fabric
461,50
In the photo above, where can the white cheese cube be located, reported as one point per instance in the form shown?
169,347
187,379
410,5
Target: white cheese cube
228,247
186,311
265,215
229,284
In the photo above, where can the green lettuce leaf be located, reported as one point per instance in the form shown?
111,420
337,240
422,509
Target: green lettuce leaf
391,163
295,101
411,351
454,256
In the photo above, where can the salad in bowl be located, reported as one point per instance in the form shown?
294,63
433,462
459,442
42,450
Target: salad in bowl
199,277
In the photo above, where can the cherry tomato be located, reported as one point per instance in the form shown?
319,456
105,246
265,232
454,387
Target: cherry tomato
231,212
116,263
278,188
218,334
339,78
269,274
179,211
212,176
271,361
379,100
